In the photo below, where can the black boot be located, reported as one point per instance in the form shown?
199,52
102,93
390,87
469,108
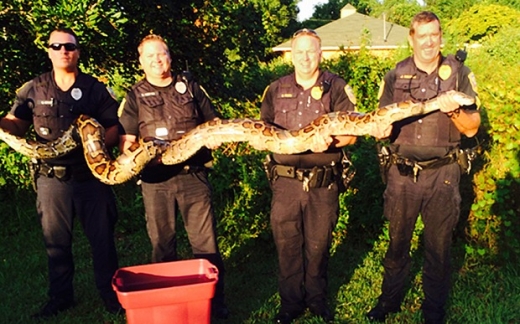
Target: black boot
54,306
381,311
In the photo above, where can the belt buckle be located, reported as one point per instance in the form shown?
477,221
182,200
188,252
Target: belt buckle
285,171
60,171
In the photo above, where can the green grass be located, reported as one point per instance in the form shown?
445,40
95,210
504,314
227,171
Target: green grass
482,292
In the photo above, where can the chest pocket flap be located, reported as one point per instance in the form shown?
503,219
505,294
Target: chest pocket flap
151,99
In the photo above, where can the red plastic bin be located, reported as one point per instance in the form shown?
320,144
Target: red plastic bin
169,292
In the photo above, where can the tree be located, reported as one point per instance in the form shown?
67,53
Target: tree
211,38
397,11
481,22
332,9
27,25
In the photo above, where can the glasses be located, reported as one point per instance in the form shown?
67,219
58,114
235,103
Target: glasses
69,47
305,31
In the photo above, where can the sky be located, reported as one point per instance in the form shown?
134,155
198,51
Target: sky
307,8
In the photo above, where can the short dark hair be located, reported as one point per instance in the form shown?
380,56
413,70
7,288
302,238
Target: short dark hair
66,31
423,17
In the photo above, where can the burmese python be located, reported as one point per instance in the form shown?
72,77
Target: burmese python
213,133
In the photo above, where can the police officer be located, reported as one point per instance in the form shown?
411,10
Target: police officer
65,185
166,106
305,205
424,176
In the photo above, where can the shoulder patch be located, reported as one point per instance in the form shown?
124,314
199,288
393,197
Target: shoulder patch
121,108
381,89
350,94
20,88
474,86
263,94
112,93
204,90
473,82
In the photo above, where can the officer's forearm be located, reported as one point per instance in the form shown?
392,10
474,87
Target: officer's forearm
14,125
111,136
343,140
125,141
466,121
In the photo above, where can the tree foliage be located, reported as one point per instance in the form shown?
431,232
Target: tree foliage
481,22
26,27
397,11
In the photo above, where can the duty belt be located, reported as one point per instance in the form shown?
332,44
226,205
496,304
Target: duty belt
408,167
57,171
187,169
60,172
316,177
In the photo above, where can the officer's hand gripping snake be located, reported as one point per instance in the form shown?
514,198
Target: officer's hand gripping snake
258,134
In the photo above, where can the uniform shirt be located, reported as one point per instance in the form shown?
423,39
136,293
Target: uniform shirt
132,120
302,108
427,127
129,110
63,107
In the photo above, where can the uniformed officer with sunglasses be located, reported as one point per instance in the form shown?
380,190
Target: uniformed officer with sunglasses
65,186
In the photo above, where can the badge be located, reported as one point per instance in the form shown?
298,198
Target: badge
350,94
76,93
444,72
161,131
316,92
180,87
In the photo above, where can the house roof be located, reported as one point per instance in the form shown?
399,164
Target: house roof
348,31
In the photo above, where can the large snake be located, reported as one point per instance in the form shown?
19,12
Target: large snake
256,133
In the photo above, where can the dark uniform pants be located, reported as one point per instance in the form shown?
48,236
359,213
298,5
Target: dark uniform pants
302,224
191,195
436,197
94,205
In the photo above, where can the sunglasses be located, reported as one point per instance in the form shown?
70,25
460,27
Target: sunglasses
69,47
305,31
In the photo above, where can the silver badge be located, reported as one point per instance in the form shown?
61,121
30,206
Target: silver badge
76,93
180,87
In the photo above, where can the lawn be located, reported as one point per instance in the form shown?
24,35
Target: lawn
482,292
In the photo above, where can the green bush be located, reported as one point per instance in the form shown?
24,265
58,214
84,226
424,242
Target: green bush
493,224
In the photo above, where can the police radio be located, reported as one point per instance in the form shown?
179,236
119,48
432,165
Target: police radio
461,55
325,86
